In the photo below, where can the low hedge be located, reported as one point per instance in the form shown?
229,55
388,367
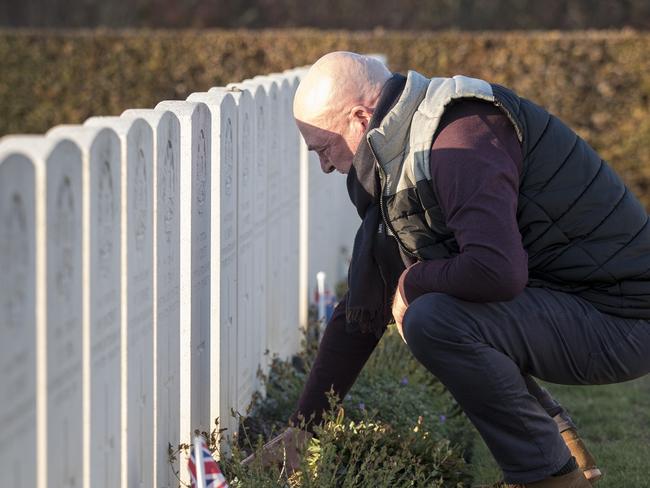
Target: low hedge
597,81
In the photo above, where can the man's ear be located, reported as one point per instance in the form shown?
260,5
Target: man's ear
361,114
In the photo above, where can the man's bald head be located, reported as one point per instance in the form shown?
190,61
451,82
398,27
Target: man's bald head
334,104
337,82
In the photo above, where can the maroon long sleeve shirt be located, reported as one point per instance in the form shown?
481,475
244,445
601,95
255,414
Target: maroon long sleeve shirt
476,162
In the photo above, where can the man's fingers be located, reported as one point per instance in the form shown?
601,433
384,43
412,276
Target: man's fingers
401,332
271,452
291,441
399,309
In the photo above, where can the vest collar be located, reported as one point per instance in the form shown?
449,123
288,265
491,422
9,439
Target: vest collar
389,139
402,142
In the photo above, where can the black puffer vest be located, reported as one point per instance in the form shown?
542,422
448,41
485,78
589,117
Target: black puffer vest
583,230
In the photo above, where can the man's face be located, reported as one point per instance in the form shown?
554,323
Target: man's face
335,147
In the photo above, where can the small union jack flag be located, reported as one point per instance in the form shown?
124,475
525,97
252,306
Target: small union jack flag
205,473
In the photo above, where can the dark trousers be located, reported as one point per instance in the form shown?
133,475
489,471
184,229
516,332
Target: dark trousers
486,353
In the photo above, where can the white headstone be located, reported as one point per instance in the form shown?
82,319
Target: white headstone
260,155
195,264
290,170
348,226
276,236
166,156
332,225
21,183
64,314
223,332
245,357
101,159
294,76
137,296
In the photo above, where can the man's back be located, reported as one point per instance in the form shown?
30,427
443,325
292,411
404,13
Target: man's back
584,233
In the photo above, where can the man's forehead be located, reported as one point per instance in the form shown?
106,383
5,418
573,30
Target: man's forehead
313,95
314,136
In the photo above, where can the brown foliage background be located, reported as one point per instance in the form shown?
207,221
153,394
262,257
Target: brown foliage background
330,14
598,82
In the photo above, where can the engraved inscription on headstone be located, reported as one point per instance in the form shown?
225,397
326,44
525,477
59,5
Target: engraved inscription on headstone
290,172
168,180
261,136
15,261
257,216
166,156
246,157
168,315
260,217
136,147
201,172
194,169
105,257
228,223
224,264
64,314
228,261
246,362
274,236
141,203
139,168
228,158
106,215
17,320
201,268
63,233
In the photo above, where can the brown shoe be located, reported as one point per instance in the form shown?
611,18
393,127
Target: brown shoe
574,479
585,460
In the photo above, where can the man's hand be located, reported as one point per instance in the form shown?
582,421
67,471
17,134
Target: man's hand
286,447
399,309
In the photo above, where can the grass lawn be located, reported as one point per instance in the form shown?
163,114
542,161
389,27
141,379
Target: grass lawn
614,421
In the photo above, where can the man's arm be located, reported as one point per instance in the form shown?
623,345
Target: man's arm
476,161
339,360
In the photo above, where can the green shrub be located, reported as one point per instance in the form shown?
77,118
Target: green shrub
373,453
368,453
397,427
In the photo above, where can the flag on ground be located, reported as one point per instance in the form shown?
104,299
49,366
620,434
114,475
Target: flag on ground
205,473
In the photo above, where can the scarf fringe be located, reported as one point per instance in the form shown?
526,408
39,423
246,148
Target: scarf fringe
360,315
365,321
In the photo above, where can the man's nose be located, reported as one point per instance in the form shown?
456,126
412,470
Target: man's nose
326,167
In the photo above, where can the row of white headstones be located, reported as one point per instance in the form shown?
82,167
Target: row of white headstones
149,265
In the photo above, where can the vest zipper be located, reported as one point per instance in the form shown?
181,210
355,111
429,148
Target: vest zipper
382,179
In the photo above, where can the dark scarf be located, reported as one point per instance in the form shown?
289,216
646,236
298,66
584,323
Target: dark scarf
376,263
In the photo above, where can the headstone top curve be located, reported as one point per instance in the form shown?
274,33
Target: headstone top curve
35,147
254,88
84,136
153,116
209,98
121,125
181,108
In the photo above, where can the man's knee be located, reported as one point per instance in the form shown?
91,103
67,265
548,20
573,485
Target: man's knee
432,320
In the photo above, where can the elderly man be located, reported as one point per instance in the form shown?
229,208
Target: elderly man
507,246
